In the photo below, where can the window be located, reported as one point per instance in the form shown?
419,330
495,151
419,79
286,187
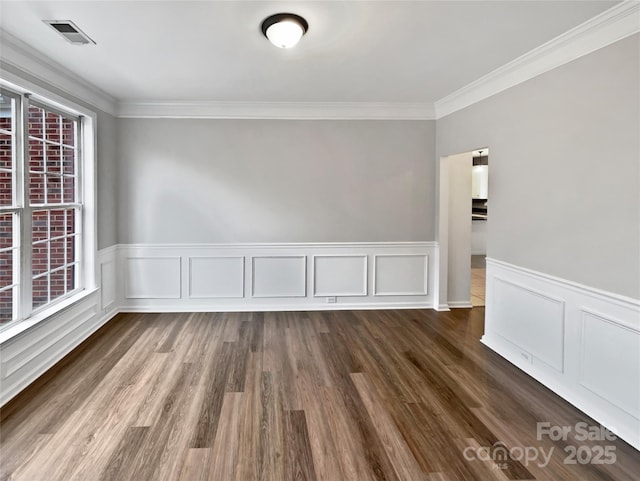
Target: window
41,208
9,253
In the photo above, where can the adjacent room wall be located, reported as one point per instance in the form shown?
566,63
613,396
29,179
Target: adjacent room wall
565,170
245,181
459,258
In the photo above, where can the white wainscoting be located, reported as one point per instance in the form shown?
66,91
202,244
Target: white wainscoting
253,277
39,345
580,342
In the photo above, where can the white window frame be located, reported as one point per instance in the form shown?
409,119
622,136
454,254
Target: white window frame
86,251
15,209
28,209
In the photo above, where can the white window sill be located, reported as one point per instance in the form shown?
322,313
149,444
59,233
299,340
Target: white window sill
20,327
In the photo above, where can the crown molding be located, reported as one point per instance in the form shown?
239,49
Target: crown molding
18,54
612,25
618,22
197,109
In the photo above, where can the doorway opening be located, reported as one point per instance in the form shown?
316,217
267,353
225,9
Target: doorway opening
478,276
462,224
479,216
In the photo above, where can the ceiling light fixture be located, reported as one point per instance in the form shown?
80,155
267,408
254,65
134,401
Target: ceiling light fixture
284,30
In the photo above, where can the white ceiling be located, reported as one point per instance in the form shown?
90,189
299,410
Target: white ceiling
354,51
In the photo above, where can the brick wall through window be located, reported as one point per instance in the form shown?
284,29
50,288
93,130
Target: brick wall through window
49,211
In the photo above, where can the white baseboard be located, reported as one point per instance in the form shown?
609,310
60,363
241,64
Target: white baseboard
284,308
460,304
580,342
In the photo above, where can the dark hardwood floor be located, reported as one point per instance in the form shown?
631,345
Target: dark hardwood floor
324,396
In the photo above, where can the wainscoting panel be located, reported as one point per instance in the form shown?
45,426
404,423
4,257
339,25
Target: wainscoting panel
279,276
107,270
273,277
610,351
213,277
152,278
108,283
400,275
580,342
531,320
343,275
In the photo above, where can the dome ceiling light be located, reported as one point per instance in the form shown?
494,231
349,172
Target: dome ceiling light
284,30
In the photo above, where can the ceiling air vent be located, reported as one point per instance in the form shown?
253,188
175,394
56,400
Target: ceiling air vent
69,31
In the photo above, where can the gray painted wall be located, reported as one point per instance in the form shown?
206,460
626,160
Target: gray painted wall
210,181
565,168
107,180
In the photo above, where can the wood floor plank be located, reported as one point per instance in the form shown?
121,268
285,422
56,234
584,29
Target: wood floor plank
403,462
397,395
224,454
257,331
149,407
237,370
195,466
211,407
272,448
351,456
321,442
360,430
123,459
170,363
171,431
178,322
287,363
298,458
250,412
232,323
